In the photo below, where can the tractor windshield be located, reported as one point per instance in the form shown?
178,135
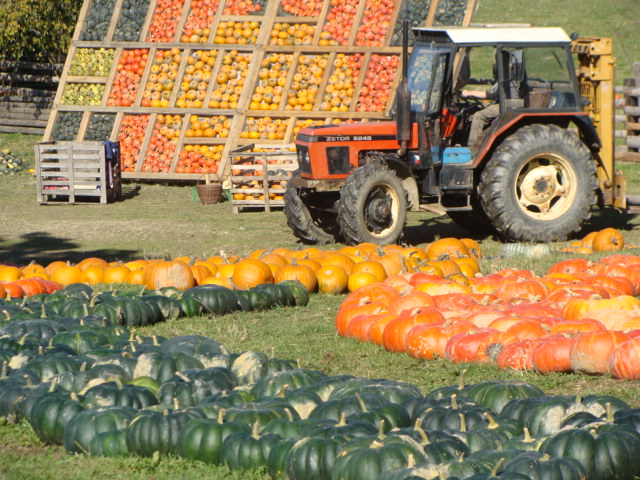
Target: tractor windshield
425,71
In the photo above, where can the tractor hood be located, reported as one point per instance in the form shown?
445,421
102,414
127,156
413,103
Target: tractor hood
353,132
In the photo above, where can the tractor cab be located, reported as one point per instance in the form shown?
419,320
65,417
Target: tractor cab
521,71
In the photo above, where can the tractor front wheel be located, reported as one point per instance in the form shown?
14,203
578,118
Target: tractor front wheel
372,206
540,185
308,215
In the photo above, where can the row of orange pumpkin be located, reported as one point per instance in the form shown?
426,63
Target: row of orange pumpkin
581,316
331,272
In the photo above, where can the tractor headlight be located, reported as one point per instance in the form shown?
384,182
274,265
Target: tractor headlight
304,163
338,158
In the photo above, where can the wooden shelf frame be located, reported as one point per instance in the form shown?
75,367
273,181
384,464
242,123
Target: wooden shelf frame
270,15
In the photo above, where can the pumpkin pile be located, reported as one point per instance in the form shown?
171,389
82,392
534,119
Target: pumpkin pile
563,321
101,390
328,271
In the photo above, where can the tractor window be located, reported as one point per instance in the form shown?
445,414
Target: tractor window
479,72
420,73
438,79
548,78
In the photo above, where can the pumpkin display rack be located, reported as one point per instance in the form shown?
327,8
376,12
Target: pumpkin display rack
181,84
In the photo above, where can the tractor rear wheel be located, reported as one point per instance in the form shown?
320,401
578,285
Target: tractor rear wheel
540,185
308,217
373,206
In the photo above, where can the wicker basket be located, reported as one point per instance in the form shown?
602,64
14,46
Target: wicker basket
209,192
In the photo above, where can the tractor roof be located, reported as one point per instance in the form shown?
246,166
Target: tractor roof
485,36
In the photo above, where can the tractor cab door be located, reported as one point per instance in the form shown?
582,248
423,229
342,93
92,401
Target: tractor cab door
428,81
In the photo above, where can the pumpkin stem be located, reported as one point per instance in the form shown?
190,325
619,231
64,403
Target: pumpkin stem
343,420
255,432
220,418
176,403
492,421
381,435
43,310
361,403
282,392
454,402
423,436
609,408
496,467
299,363
183,377
155,341
40,350
74,396
289,414
3,373
23,338
527,435
463,422
579,398
411,461
83,367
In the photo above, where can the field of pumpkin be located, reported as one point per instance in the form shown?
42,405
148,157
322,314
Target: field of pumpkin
77,371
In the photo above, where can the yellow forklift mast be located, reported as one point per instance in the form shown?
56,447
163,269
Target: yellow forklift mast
596,76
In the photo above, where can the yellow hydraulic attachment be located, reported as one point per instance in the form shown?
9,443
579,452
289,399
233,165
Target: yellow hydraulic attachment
596,76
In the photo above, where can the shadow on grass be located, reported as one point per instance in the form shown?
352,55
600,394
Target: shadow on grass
429,229
44,248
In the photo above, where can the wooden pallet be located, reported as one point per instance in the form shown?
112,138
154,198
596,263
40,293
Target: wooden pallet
632,113
270,15
261,175
75,172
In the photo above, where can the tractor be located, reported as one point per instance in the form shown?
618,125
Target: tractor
532,174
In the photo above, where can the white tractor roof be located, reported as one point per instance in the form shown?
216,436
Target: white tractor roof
492,35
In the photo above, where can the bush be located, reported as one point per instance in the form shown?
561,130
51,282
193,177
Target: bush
37,30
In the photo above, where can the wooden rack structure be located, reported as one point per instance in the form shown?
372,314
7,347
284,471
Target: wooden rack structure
81,119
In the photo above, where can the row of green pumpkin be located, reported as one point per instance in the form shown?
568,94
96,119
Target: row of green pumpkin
106,391
146,307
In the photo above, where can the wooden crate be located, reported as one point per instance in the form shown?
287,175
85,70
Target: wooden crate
87,35
260,174
76,172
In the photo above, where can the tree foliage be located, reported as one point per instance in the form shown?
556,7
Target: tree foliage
37,30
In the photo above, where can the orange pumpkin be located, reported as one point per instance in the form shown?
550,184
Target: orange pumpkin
294,271
173,273
67,275
116,274
332,280
608,240
251,272
446,249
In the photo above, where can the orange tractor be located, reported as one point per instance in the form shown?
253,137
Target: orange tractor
542,161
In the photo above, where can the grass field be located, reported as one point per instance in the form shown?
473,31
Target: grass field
162,220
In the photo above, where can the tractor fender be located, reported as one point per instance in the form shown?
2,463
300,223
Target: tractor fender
402,170
510,122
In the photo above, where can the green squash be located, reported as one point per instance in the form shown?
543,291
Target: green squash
247,450
114,394
543,467
312,458
215,299
86,424
152,431
50,415
272,384
112,443
495,394
609,454
201,439
365,458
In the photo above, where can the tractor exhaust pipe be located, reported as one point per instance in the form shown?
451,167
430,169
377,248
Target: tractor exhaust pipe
403,118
